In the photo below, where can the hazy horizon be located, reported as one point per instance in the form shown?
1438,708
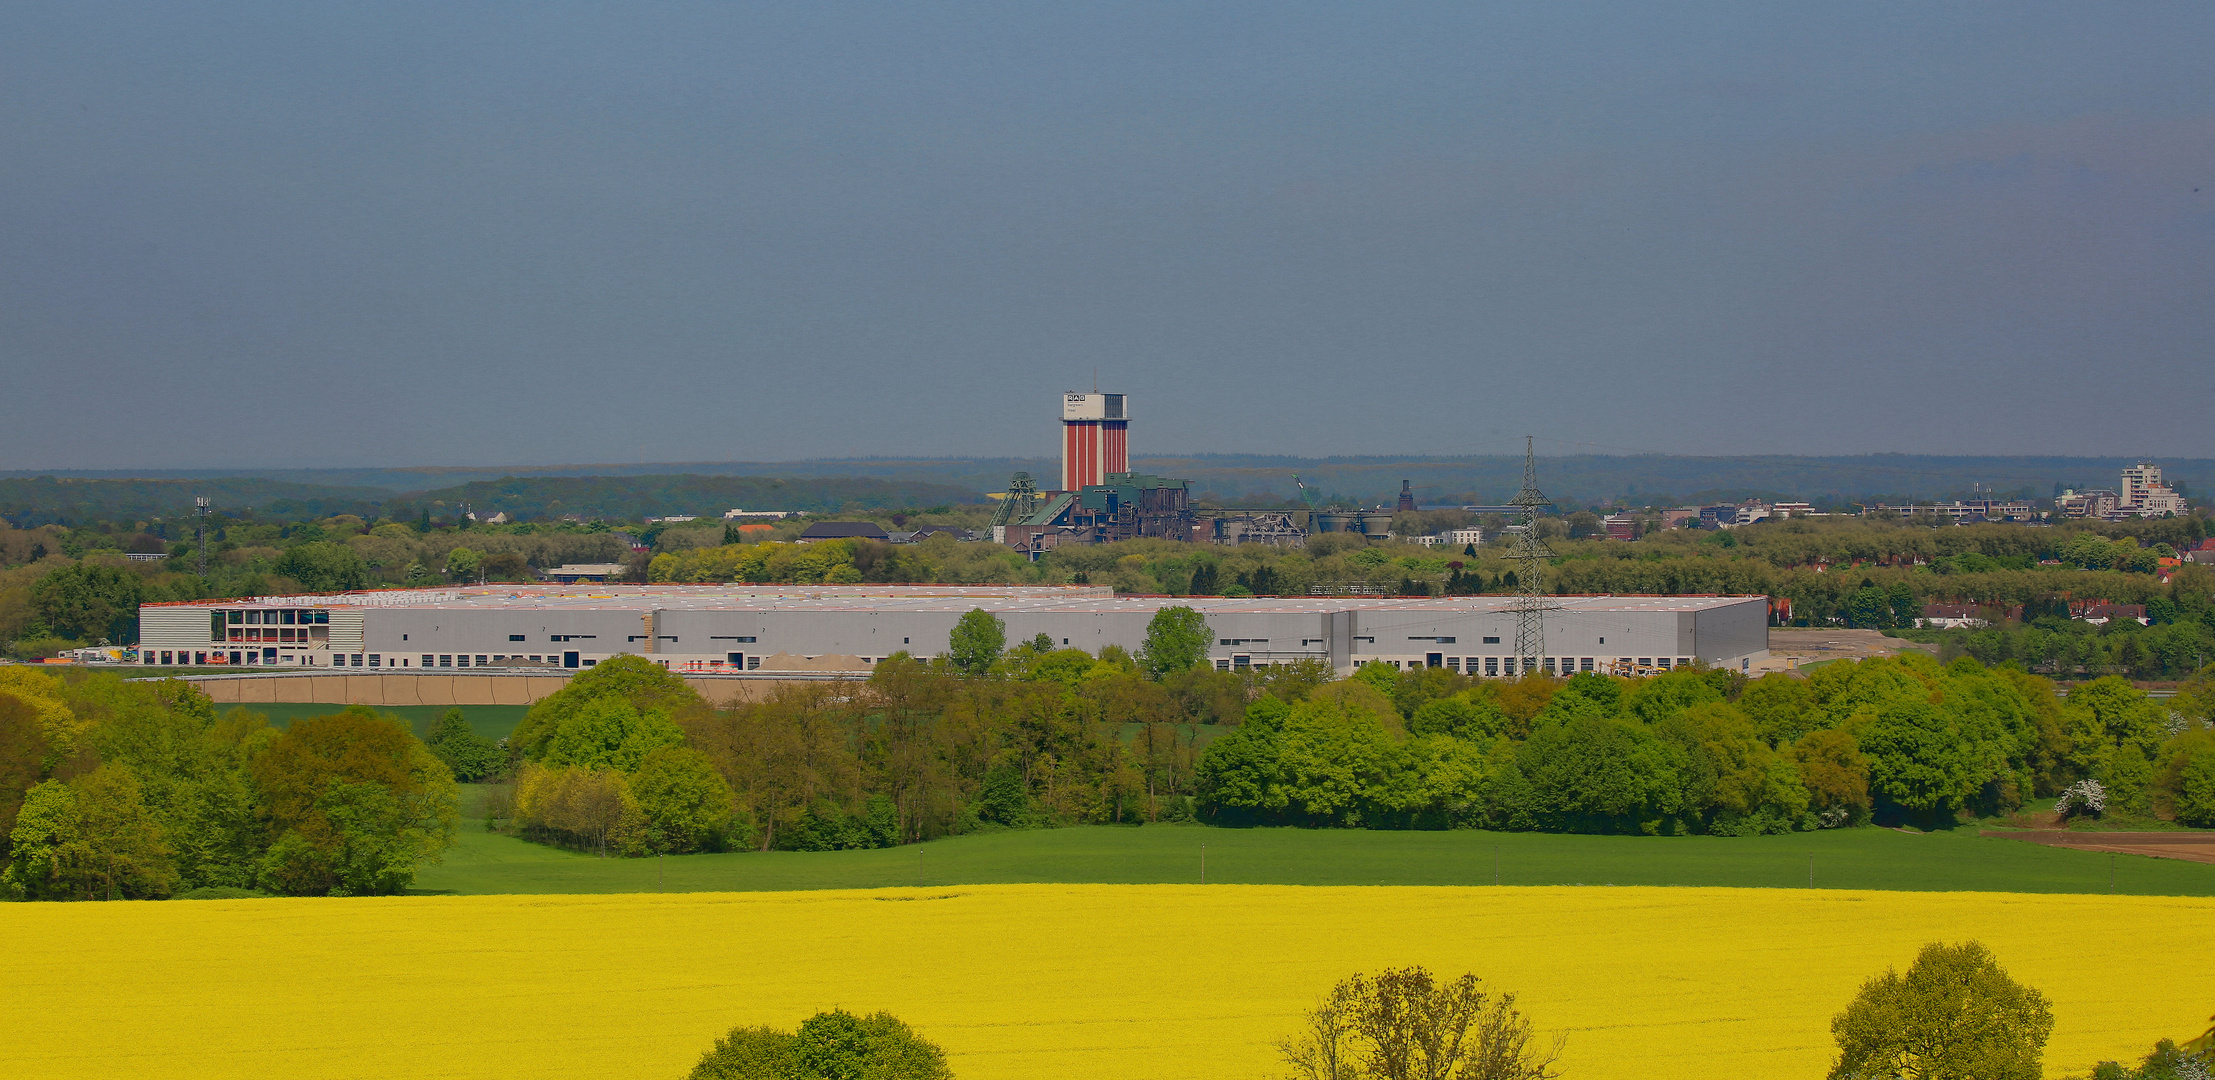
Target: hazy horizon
414,234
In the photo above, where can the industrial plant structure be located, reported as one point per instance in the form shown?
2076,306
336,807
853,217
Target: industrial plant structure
1095,439
1102,501
734,629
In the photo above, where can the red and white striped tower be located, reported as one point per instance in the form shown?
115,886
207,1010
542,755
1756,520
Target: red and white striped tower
1095,439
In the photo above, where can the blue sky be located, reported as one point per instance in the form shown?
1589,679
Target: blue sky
334,234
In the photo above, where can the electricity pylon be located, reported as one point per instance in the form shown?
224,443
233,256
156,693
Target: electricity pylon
1530,554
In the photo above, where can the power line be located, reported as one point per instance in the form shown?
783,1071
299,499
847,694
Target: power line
1530,555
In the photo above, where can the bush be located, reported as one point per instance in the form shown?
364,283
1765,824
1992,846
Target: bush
2167,1062
2085,798
835,1045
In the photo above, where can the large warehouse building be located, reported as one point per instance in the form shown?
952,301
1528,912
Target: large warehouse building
739,628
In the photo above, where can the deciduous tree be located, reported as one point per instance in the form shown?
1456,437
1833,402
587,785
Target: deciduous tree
1177,639
976,643
1955,1015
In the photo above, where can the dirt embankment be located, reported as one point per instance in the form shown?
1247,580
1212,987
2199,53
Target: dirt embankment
2196,847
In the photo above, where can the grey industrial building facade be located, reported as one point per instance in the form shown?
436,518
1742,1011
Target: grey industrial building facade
736,628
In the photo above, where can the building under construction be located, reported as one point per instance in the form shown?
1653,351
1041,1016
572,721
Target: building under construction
738,629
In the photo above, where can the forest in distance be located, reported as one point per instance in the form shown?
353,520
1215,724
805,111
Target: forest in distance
62,587
633,491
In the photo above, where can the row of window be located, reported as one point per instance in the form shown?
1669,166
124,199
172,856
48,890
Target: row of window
302,634
462,660
204,657
271,617
1497,666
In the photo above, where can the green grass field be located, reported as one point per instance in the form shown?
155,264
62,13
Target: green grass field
1867,858
491,721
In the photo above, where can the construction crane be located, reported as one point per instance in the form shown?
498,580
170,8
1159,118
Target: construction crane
1306,496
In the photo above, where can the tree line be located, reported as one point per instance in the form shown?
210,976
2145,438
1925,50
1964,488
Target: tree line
1691,751
139,790
628,760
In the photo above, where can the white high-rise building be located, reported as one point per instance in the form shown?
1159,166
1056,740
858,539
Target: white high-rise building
2144,495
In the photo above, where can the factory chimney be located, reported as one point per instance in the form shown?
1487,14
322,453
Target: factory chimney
1407,500
1095,439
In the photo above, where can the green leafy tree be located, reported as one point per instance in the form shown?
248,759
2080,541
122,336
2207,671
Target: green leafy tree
355,802
88,602
835,1045
757,1052
321,566
977,641
1663,696
608,732
463,563
684,803
1920,760
1177,639
1781,707
2102,716
90,839
469,756
2190,779
23,755
838,1045
40,845
640,682
1955,1015
1598,775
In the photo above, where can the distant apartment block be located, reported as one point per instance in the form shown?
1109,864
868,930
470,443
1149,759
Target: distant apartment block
2143,495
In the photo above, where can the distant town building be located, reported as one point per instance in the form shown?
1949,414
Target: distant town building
1620,526
1407,499
1463,537
572,573
735,514
926,532
2098,612
1958,512
1957,616
845,530
2144,495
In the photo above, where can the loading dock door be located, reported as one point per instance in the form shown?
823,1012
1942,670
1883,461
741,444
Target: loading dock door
569,659
1434,659
736,660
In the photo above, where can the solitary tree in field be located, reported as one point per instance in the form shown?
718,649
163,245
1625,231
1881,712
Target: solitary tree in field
835,1045
1405,1025
977,642
1955,1015
1176,640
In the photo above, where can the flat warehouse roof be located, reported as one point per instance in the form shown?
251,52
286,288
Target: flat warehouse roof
937,598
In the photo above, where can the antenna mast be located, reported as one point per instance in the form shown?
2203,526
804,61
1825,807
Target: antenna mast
1530,555
200,530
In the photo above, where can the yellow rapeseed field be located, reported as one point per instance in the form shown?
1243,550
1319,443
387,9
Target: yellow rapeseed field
1153,982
